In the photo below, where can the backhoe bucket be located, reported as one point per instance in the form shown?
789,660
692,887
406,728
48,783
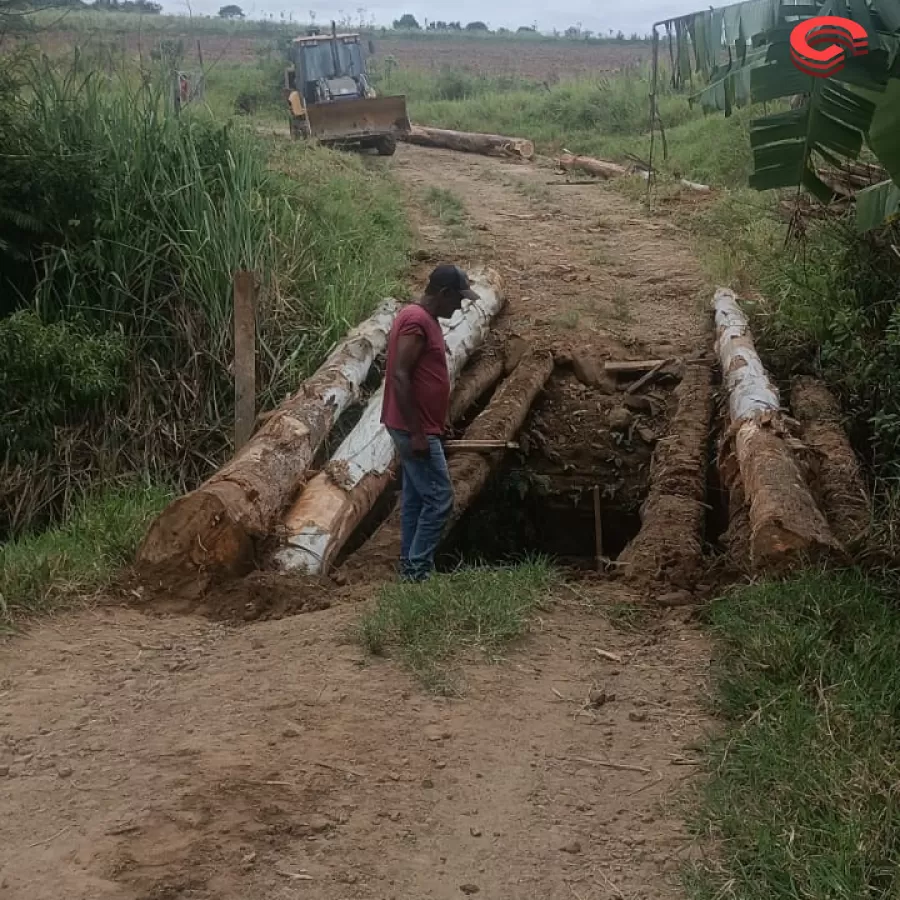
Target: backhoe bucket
342,120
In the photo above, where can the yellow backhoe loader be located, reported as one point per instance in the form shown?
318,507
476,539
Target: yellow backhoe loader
330,98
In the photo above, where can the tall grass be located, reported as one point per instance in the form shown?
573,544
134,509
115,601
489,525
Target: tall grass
602,116
128,220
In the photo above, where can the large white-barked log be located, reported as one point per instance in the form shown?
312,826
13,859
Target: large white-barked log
213,527
333,503
786,525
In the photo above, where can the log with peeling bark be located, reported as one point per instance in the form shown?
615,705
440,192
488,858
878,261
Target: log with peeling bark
786,525
334,503
478,378
600,168
470,142
838,480
668,549
474,382
500,421
213,528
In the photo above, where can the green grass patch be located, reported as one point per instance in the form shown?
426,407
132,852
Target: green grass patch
445,206
98,538
803,794
429,625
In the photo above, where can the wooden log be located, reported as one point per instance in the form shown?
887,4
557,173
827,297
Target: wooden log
333,504
668,549
474,382
600,168
501,420
469,142
838,480
382,548
786,526
213,528
632,366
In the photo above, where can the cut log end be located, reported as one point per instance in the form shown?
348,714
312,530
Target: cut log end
197,532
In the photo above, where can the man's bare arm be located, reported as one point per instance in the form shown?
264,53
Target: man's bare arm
409,349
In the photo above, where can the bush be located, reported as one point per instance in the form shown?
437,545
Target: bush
834,309
121,223
53,375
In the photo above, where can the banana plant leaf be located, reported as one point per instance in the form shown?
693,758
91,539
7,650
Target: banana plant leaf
877,205
884,131
832,125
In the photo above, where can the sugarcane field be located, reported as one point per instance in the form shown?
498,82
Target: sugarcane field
448,458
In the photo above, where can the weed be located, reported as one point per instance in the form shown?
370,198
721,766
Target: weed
619,300
430,624
803,788
445,206
569,319
120,226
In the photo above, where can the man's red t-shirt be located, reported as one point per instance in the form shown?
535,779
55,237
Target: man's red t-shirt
430,378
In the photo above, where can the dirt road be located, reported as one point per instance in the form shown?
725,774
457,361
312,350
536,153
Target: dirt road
145,758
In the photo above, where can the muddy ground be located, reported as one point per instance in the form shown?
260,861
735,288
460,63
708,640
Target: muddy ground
172,756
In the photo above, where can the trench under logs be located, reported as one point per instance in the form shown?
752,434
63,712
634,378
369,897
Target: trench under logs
606,482
602,481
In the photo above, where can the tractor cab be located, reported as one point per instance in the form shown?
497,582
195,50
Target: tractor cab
329,67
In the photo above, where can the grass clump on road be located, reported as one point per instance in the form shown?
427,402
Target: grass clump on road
803,795
445,206
430,624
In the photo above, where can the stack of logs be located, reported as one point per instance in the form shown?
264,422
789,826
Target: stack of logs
796,491
268,489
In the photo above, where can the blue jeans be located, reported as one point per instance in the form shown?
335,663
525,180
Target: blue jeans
426,503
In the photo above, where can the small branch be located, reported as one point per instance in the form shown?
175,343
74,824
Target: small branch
621,767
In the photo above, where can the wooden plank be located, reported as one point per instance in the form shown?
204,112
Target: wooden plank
244,357
644,380
632,366
485,446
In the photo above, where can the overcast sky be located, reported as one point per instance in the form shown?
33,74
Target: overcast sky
628,16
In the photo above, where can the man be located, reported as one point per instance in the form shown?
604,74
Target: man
415,412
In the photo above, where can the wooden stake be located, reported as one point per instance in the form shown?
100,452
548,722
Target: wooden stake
598,530
244,357
650,376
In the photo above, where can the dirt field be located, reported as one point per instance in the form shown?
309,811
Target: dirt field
550,60
149,757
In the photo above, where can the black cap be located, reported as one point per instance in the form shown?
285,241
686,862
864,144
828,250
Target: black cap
450,278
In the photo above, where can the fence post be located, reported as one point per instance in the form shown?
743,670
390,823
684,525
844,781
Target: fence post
244,357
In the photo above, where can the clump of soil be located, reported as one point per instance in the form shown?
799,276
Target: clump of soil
259,595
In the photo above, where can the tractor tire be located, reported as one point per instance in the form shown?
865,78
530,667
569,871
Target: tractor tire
386,146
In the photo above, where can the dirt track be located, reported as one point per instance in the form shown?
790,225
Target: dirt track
177,758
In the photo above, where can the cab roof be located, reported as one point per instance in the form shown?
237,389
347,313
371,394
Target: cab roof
323,37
